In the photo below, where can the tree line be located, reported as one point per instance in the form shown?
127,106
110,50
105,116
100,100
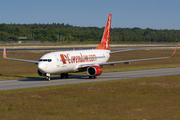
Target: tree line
57,32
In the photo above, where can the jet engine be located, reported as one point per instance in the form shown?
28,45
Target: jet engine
41,74
94,70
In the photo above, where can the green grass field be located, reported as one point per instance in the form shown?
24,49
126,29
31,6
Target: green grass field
155,98
135,99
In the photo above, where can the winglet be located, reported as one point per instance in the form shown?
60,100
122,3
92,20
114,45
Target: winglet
4,53
174,51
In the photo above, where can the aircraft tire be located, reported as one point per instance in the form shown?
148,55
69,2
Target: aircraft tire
66,75
62,75
90,77
47,78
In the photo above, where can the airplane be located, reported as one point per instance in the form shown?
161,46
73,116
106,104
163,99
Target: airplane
64,62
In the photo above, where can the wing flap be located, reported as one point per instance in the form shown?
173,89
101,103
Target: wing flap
125,50
128,61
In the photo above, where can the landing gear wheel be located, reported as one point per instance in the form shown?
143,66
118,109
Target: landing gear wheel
90,77
64,75
47,78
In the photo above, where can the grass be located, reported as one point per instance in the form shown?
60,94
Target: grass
154,98
17,70
79,45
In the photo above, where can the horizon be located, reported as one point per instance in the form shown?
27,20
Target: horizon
84,26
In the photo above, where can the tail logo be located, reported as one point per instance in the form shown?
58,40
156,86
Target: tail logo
106,36
4,53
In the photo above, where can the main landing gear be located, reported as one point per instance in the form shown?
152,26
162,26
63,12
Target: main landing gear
90,77
64,75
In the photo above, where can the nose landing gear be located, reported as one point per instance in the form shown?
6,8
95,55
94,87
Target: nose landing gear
47,77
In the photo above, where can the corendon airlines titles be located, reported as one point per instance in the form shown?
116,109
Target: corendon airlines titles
66,58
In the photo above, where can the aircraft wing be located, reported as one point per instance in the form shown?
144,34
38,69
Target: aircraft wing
125,50
4,56
128,61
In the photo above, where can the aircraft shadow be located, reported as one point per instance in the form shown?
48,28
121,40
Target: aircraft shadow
55,78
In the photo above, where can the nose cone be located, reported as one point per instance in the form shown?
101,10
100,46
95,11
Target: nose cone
41,67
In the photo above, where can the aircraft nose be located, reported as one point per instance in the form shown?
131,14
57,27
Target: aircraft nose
41,67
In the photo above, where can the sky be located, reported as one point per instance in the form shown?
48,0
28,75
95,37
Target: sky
154,14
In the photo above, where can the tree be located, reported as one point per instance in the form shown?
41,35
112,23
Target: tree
38,37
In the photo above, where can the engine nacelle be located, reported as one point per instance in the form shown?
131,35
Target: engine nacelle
94,70
41,74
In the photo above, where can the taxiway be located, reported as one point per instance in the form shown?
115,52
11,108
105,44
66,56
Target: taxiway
73,79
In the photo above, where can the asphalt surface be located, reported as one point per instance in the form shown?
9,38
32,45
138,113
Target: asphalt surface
40,82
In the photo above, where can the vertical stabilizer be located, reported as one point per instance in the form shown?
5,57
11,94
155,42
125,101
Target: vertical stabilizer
4,52
106,36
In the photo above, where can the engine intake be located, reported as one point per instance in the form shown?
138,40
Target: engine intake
94,70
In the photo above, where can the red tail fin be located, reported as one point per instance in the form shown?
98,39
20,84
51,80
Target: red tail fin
106,36
4,53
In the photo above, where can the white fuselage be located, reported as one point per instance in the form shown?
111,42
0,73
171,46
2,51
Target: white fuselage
69,61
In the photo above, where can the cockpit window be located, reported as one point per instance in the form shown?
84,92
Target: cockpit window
49,60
